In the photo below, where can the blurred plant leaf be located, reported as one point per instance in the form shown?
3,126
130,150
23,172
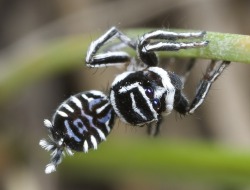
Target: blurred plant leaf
161,158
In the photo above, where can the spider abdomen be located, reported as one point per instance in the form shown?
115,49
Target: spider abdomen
80,123
83,120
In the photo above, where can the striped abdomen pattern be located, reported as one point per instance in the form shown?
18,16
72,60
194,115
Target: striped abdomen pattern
83,120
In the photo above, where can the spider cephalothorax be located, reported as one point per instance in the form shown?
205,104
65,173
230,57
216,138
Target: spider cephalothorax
140,96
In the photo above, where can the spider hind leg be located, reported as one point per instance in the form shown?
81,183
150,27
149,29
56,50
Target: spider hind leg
213,71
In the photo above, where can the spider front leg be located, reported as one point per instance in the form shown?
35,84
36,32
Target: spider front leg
153,129
160,40
187,71
213,71
110,57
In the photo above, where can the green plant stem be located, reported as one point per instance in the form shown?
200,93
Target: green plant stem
64,54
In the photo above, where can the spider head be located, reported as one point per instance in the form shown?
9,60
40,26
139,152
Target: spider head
140,97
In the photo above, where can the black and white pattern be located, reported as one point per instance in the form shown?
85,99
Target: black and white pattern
145,93
140,96
80,123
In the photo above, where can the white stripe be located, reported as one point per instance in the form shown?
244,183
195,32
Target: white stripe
140,88
85,146
87,98
121,77
94,45
154,47
164,76
76,101
206,91
142,91
69,151
94,142
125,89
99,110
168,86
97,93
105,65
201,100
135,108
101,134
107,126
109,54
68,107
61,113
112,100
129,87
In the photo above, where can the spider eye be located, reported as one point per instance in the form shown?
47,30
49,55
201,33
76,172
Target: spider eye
149,92
156,104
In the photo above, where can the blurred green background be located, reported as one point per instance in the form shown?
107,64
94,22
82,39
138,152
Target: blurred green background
208,150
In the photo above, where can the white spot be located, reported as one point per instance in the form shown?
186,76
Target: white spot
94,142
61,113
50,168
76,101
85,146
47,123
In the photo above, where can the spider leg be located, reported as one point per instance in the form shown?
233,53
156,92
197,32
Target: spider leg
173,46
146,48
212,73
187,71
108,58
154,129
167,35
